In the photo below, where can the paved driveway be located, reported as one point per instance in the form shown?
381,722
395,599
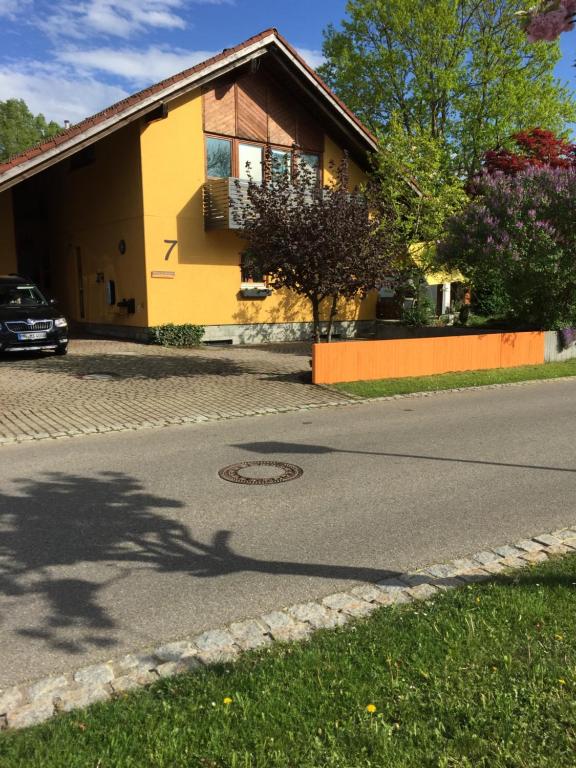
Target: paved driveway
130,386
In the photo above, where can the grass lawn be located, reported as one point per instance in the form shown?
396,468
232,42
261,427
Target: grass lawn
384,387
482,677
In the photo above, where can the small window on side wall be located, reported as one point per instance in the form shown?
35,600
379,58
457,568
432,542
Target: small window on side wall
280,163
218,158
249,273
311,163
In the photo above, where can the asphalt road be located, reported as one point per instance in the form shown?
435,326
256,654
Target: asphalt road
118,542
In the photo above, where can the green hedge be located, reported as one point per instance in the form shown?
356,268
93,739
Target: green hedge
170,335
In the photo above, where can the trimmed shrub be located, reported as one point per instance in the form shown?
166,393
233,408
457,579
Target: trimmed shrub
170,335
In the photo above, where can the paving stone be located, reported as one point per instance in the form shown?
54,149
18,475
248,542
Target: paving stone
391,586
318,616
547,539
284,628
42,400
94,675
529,545
558,549
398,598
513,562
83,696
462,564
249,634
423,592
142,661
564,533
186,664
10,698
48,687
30,714
494,568
353,606
507,551
173,651
368,592
475,575
132,680
214,640
485,557
442,570
217,656
535,557
570,542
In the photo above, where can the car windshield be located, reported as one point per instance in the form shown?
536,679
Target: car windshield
20,295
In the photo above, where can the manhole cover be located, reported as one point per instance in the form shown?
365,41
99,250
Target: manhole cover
99,376
260,472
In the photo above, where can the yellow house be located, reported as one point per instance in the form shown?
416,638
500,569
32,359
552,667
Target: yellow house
124,217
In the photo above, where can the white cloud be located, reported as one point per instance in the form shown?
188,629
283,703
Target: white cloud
57,92
115,18
312,57
138,67
9,9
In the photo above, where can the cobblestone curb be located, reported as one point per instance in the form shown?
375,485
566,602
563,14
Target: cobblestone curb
32,703
150,423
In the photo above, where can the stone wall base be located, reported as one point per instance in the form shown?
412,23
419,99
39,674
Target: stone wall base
252,333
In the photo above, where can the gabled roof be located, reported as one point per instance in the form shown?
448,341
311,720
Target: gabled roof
93,128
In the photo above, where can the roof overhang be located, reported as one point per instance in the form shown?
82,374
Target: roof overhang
93,129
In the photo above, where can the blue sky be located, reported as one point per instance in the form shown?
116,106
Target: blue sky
70,58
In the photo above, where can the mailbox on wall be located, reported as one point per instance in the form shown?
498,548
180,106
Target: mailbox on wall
111,293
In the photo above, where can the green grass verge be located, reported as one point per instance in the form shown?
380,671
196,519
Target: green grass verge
383,387
481,677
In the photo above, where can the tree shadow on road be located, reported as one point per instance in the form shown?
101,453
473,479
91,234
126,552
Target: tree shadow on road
65,539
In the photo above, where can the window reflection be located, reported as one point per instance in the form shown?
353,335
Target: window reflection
218,158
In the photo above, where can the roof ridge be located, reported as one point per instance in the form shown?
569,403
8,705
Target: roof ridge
77,129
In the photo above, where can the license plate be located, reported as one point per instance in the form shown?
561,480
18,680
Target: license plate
31,336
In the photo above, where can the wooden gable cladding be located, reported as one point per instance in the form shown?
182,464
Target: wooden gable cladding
310,135
282,120
220,109
256,108
252,108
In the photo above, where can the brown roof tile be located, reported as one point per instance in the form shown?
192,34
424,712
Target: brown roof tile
133,100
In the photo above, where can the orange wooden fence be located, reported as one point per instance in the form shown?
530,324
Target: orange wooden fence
398,358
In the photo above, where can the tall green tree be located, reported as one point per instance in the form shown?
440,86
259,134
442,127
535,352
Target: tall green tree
413,173
20,129
461,72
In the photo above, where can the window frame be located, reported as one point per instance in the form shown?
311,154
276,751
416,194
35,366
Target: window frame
219,138
293,151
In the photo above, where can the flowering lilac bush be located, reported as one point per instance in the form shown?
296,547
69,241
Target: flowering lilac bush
518,234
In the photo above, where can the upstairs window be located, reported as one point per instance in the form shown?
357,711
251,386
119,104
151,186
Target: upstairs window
311,161
218,158
280,163
250,157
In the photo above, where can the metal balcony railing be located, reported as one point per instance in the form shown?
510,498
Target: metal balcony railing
217,195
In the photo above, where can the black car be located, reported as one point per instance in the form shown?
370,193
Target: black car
28,321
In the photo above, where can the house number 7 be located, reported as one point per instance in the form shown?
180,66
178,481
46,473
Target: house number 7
172,244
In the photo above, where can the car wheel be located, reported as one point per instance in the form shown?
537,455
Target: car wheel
62,349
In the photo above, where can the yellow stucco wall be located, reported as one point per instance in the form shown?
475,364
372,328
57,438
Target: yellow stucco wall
8,262
206,283
95,207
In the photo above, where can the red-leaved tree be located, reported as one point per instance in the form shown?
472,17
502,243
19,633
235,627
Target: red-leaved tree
320,243
537,148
